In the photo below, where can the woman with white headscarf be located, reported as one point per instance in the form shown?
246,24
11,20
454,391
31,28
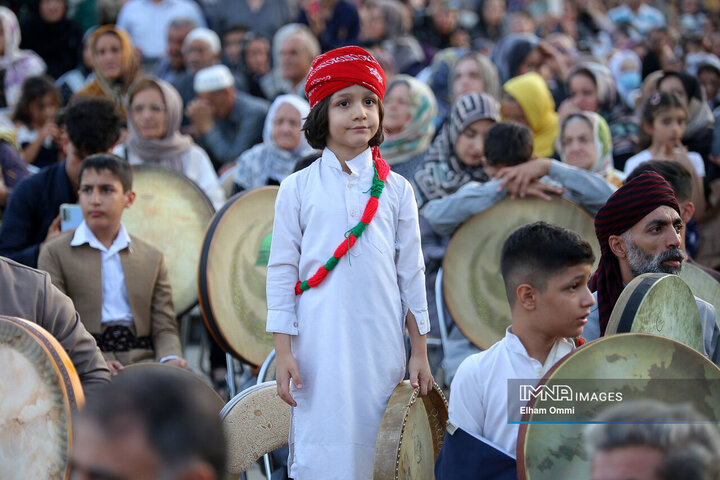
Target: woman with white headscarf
284,144
15,64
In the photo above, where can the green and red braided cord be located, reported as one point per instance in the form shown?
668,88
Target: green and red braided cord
381,172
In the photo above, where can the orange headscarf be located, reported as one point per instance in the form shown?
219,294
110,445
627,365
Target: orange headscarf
115,90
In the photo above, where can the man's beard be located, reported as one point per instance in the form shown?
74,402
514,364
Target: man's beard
641,262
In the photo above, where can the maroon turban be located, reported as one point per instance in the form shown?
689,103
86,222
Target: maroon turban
626,207
341,68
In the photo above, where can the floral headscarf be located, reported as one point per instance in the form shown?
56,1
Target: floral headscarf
417,134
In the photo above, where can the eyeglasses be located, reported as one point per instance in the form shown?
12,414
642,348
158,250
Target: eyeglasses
153,108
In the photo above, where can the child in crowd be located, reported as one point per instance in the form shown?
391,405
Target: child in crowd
118,283
545,269
339,323
508,148
38,133
664,119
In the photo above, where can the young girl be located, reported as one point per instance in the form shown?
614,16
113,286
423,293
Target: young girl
339,323
664,118
34,115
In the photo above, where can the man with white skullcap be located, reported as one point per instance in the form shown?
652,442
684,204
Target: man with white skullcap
226,122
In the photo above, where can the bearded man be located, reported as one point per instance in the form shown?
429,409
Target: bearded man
638,229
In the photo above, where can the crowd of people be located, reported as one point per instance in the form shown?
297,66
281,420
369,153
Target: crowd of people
614,106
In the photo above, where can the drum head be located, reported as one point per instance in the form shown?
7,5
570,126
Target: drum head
659,304
472,283
411,434
39,394
177,372
702,285
256,421
637,365
232,273
171,212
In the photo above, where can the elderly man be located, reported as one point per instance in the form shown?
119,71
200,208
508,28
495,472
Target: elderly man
646,439
172,65
201,49
226,122
638,231
295,47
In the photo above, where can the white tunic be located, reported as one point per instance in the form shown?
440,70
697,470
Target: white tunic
479,392
347,333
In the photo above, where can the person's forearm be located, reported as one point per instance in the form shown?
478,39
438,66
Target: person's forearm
282,343
418,342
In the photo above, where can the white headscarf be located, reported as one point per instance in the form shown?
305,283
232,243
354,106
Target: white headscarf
267,161
627,96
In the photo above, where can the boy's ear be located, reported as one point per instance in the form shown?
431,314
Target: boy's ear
617,246
526,296
130,198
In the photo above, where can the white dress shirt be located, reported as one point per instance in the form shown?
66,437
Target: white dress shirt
479,391
115,303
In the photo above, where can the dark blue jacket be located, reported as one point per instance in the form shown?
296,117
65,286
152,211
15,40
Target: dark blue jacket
33,206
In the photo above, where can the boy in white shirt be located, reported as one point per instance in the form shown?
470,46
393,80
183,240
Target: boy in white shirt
546,270
118,283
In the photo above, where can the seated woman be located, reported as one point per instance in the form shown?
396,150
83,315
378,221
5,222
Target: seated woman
409,112
154,124
455,156
528,101
585,142
284,144
15,64
115,66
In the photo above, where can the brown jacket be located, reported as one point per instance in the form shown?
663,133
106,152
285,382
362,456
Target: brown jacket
28,293
77,271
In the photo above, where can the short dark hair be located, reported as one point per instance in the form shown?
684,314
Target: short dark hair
181,423
508,144
118,167
92,124
537,251
34,88
317,128
676,175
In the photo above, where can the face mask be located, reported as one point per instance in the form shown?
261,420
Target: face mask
630,80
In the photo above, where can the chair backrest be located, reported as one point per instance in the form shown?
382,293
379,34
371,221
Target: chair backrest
256,421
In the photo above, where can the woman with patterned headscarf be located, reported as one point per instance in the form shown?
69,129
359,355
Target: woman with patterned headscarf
585,142
455,156
410,109
115,66
15,64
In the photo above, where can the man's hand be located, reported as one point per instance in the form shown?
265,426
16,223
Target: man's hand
517,179
114,366
200,114
178,362
53,231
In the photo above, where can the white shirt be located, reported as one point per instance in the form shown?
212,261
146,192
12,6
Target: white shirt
147,22
347,333
645,155
478,394
115,303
